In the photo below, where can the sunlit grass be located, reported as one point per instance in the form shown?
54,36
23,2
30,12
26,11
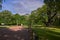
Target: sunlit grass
49,32
4,26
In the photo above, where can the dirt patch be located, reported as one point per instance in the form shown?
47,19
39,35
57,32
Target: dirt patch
14,33
16,28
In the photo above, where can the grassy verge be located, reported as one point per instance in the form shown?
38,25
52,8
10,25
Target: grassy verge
47,32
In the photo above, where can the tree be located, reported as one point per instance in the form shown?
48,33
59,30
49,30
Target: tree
57,20
52,9
12,19
19,19
39,15
4,16
44,16
16,18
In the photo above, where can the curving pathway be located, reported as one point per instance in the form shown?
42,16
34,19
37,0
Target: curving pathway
14,33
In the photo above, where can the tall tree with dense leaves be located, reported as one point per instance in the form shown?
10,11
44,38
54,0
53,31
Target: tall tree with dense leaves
52,9
39,15
4,16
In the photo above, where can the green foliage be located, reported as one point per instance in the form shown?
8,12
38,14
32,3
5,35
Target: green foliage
48,14
57,20
53,6
39,15
8,18
4,16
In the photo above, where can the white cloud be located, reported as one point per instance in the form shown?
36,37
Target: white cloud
23,6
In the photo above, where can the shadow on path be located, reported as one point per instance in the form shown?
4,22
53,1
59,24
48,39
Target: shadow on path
7,34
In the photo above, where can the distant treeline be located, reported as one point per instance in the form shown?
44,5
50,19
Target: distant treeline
8,18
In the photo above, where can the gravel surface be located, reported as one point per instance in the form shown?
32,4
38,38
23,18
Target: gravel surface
9,34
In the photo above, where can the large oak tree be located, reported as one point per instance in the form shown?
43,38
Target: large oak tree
53,6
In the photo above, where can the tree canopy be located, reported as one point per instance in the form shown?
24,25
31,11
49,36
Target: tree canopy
11,19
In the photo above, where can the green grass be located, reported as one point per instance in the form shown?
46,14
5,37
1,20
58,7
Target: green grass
48,32
4,26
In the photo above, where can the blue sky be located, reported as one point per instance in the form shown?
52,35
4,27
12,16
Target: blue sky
22,6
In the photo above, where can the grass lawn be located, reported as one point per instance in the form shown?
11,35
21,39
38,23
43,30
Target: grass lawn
48,32
4,26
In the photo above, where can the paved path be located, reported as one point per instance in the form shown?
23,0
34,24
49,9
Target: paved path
14,34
